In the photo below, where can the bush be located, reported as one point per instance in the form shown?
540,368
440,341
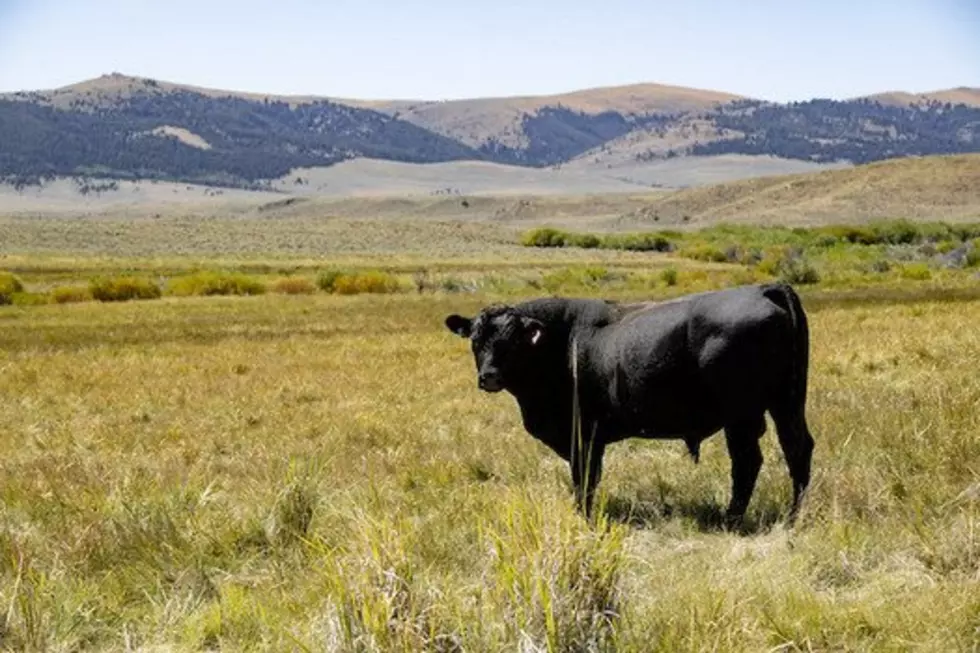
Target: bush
916,272
544,237
70,294
973,254
669,276
897,232
9,286
215,283
704,252
365,282
798,271
327,279
881,266
586,241
121,289
788,265
639,243
294,286
847,234
454,284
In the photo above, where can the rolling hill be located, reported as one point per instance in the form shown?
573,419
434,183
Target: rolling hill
129,128
934,188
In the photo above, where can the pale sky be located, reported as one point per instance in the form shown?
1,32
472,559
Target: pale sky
440,49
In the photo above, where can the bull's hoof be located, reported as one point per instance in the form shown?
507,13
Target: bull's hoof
694,448
734,521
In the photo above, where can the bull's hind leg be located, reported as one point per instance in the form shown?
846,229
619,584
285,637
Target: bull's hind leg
743,448
796,442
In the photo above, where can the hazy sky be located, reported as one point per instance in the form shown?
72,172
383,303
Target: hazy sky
436,49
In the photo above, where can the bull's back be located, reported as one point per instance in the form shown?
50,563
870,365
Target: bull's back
695,363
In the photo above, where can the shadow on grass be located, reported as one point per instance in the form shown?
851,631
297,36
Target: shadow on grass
705,515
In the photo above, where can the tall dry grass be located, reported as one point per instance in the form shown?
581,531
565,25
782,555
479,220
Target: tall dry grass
321,473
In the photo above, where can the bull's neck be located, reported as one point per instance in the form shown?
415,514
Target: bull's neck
544,395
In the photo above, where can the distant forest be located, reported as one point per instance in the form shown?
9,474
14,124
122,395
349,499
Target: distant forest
252,142
860,131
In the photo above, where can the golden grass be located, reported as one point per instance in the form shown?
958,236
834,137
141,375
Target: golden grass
320,472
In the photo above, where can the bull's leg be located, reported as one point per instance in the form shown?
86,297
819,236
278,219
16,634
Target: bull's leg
586,464
746,455
797,445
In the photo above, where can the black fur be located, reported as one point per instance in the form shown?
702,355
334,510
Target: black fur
682,369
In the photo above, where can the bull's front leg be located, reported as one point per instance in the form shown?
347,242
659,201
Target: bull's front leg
586,464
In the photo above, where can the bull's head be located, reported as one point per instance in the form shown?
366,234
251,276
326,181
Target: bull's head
502,342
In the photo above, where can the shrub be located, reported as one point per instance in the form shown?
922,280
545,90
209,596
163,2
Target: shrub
10,285
640,243
897,232
946,246
916,272
121,289
586,241
420,279
881,266
328,278
294,286
544,237
704,252
798,271
454,284
973,254
215,283
788,265
365,282
70,294
849,234
669,276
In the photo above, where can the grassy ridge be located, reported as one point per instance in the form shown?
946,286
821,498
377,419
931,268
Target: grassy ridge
243,474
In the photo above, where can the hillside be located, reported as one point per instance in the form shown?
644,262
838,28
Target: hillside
961,95
501,120
935,188
121,127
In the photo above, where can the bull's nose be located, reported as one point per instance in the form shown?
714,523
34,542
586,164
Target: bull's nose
490,382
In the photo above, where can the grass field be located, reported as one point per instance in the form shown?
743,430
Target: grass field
319,472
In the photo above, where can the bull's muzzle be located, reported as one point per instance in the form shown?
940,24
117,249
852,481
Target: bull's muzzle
490,382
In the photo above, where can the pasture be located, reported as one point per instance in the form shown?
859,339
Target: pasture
319,472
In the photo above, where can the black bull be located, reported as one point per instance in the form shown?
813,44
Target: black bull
587,373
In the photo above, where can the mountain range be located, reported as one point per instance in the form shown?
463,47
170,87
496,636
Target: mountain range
129,128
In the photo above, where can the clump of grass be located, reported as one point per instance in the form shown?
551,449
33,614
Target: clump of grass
215,283
571,278
10,285
669,276
560,584
294,286
70,294
916,272
121,289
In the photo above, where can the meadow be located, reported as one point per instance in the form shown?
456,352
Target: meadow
317,471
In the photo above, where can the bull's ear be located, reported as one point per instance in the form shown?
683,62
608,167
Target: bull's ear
459,325
534,329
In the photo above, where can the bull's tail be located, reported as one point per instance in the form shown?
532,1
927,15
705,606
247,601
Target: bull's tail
785,297
789,412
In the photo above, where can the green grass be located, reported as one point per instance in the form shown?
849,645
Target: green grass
320,472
